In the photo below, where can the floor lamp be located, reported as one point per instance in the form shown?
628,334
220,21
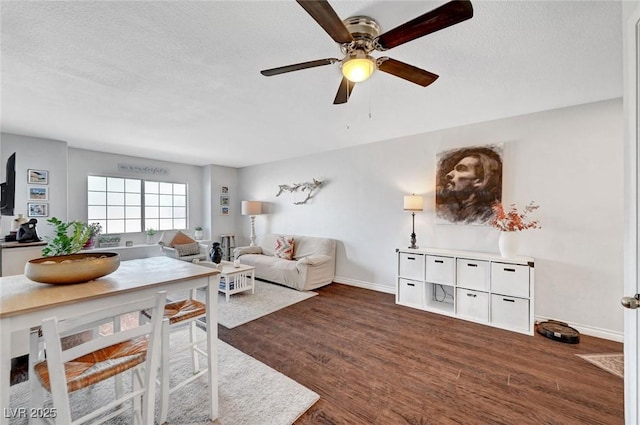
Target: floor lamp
252,209
413,203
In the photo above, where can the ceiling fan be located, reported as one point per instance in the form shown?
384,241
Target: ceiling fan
358,36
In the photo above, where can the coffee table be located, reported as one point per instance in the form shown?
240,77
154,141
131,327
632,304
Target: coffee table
234,279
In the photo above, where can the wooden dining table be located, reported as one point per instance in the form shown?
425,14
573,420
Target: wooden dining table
25,303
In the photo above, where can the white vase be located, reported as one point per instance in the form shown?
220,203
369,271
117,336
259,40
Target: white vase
508,244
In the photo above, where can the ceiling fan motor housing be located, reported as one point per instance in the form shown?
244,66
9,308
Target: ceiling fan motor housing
364,30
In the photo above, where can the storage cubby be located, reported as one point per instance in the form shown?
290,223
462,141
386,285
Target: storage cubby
439,297
476,286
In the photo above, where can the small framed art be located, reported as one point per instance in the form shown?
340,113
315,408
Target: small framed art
224,189
37,193
37,209
224,210
224,200
37,176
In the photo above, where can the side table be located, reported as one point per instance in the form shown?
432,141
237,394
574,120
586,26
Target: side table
234,279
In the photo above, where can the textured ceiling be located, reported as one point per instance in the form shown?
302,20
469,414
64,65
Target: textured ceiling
180,81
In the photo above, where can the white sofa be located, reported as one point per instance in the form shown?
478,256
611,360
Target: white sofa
313,264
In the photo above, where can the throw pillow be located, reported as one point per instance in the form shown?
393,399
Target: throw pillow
284,248
187,249
180,239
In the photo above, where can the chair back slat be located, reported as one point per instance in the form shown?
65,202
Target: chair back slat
54,330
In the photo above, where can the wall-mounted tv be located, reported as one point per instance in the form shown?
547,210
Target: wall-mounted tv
8,188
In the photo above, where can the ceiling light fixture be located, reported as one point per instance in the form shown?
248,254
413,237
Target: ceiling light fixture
358,67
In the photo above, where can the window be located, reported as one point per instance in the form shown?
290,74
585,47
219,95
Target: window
123,205
165,205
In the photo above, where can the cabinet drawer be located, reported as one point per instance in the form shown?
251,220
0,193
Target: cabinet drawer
472,304
510,312
472,274
411,293
510,279
440,269
411,266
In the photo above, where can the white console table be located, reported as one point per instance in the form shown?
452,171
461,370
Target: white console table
479,287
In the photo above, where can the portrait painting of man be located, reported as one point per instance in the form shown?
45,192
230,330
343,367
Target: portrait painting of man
468,183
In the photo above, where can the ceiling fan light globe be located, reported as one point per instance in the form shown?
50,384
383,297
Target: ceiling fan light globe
358,70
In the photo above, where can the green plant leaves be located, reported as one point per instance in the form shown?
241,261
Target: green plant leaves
69,238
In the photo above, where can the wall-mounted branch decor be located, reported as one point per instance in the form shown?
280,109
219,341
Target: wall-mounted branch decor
302,187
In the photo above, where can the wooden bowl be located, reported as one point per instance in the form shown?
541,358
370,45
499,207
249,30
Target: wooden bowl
74,268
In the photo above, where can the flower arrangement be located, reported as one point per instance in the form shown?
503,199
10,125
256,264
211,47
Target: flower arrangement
512,220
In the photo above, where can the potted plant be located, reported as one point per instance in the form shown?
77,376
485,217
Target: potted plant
509,221
199,233
94,230
151,232
61,262
70,237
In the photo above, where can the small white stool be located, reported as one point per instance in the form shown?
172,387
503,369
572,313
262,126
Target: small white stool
227,243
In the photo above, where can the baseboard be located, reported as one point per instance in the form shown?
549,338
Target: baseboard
590,330
583,329
365,285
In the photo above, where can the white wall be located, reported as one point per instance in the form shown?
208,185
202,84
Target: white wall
568,160
214,177
85,162
40,154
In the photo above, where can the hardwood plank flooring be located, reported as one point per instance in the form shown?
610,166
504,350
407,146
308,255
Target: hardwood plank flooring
374,362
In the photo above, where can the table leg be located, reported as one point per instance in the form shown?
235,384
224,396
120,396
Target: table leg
212,341
253,282
5,371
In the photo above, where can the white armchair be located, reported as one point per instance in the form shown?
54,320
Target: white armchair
179,245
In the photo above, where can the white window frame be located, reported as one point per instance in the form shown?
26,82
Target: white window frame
120,216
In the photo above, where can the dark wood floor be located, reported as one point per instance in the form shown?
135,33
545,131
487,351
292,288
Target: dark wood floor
374,362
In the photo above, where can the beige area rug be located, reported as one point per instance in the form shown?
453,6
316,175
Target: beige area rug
250,393
245,307
611,362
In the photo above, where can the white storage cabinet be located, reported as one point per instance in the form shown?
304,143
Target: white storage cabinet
479,287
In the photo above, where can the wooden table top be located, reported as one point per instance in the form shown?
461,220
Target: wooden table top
18,294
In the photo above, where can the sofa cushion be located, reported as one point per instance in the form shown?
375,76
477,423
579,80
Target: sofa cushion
181,239
192,248
284,248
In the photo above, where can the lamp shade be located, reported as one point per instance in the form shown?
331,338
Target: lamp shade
413,203
251,207
358,67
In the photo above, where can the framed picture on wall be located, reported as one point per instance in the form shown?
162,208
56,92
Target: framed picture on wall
224,210
37,193
37,209
224,189
224,199
37,176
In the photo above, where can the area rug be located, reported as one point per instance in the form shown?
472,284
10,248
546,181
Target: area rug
250,393
611,362
245,306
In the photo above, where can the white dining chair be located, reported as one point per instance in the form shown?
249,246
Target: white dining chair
177,315
68,369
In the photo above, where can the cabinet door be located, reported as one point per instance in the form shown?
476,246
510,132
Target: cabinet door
411,293
440,269
510,279
510,312
472,274
472,304
411,266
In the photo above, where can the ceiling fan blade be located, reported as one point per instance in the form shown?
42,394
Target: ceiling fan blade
328,19
442,17
346,87
298,66
406,71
